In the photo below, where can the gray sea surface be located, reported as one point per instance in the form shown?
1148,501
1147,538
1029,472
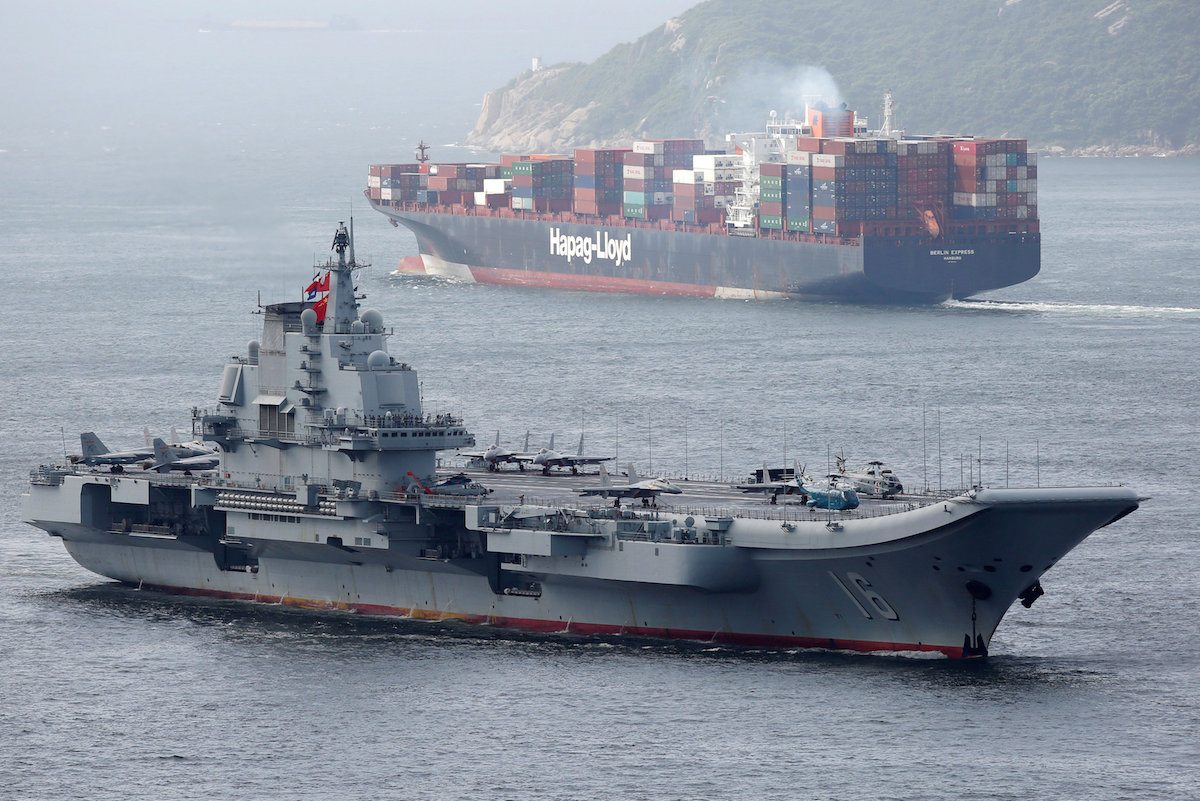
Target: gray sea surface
132,274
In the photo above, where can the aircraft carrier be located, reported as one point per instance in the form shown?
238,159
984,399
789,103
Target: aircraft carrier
328,495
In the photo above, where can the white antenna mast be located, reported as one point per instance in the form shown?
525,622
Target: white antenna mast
889,108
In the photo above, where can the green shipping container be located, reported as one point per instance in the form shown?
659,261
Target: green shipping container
633,211
523,168
771,181
770,221
506,172
635,198
770,195
797,225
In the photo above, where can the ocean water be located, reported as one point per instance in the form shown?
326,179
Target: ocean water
126,294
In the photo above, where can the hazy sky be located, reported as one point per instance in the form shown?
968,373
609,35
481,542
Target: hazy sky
137,72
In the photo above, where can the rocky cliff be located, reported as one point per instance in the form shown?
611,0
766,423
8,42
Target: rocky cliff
1087,73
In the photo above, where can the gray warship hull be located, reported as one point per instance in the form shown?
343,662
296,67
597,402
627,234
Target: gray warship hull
936,578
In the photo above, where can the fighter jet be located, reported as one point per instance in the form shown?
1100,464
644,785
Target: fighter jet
874,480
194,447
495,455
789,486
648,489
168,458
547,458
95,452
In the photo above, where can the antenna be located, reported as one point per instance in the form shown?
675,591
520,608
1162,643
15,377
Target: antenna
889,107
650,442
722,451
939,433
352,239
924,450
685,446
421,155
617,449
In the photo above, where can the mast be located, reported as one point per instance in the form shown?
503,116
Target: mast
343,306
889,107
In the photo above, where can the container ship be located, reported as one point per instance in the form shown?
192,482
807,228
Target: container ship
326,494
812,209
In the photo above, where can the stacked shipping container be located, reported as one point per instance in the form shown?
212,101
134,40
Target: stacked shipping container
994,179
852,180
922,177
648,170
827,185
797,192
770,195
599,181
543,185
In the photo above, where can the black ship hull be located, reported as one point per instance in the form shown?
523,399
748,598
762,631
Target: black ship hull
568,254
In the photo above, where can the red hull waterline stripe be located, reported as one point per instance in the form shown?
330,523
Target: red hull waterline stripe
572,627
589,283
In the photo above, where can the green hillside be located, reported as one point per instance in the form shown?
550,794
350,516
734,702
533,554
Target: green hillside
1073,74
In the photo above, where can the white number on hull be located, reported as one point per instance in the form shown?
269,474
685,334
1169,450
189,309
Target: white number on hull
873,598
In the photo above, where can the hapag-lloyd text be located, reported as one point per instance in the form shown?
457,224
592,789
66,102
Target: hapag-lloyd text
601,246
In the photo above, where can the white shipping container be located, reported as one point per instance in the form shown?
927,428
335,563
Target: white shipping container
637,173
385,194
827,160
648,148
1031,158
496,186
683,176
801,157
713,161
373,181
1022,173
481,198
1022,212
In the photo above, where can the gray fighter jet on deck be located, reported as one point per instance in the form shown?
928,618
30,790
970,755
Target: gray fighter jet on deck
547,458
648,489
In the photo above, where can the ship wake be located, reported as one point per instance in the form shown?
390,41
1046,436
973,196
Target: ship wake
1091,309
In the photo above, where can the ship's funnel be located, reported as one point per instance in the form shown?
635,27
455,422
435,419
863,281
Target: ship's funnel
826,121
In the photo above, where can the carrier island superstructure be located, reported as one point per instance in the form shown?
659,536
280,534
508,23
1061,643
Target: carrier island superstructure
323,499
